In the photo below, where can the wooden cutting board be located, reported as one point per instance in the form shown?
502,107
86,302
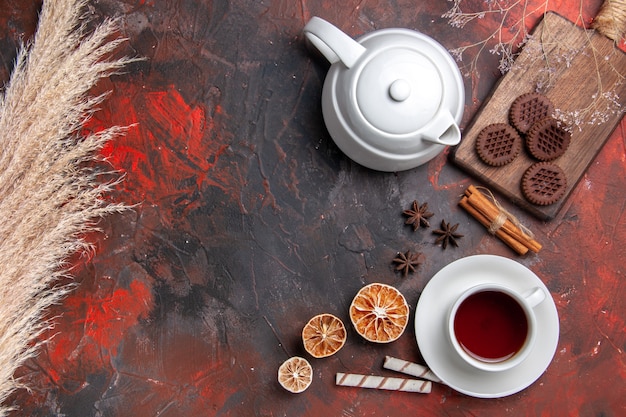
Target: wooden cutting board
566,63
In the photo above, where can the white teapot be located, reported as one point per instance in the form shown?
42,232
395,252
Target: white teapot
391,101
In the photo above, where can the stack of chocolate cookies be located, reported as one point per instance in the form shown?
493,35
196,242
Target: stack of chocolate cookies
531,122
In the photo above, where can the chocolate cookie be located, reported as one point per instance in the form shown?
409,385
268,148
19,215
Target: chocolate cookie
498,144
546,140
544,183
529,108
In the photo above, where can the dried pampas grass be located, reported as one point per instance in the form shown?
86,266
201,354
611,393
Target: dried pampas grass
50,192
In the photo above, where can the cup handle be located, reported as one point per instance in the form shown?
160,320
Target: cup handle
442,130
535,296
334,44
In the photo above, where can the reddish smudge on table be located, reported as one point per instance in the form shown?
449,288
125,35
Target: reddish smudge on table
167,144
166,156
105,317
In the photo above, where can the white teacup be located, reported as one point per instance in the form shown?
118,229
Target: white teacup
493,327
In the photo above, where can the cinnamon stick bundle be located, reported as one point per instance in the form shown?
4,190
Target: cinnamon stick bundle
497,221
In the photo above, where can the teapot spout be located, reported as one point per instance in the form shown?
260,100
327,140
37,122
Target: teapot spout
443,130
334,44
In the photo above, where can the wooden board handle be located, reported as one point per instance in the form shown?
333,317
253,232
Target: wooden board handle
611,19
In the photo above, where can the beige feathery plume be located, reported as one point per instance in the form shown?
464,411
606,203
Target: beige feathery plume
49,198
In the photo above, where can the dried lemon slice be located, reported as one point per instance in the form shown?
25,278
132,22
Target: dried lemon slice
379,313
323,335
295,374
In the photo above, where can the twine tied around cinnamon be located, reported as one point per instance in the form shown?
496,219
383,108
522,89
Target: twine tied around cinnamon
483,206
611,20
503,215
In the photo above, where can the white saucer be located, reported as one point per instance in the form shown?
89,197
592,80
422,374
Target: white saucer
430,326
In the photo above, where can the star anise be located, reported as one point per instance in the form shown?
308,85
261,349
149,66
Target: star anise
418,215
447,234
407,262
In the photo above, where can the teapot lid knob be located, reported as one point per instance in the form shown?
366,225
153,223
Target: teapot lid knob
400,90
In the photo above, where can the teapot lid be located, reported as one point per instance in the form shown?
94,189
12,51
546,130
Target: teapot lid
403,81
399,90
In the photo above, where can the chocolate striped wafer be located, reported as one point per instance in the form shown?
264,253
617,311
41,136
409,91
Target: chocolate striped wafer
409,368
381,382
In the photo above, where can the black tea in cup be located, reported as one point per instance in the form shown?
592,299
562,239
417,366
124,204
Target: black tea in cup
491,326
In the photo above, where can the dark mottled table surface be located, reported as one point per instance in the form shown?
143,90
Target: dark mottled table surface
249,221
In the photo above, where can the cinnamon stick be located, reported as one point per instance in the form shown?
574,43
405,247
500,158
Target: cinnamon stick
479,201
486,212
512,243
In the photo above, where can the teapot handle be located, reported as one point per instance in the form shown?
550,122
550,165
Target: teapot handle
334,44
443,129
